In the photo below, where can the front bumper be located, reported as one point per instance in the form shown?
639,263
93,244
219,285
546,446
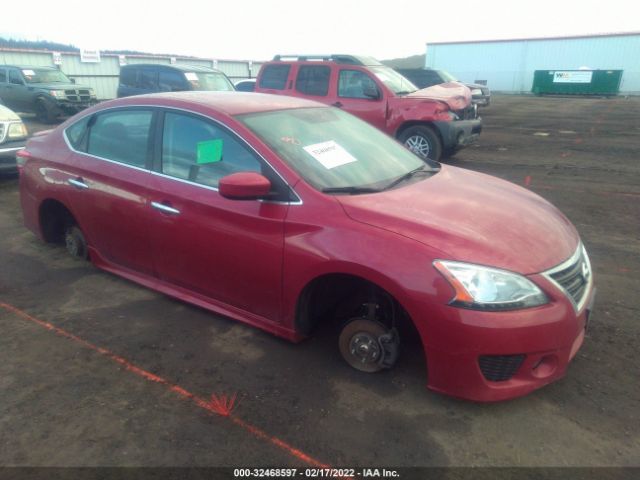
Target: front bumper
482,100
543,340
8,156
66,106
457,134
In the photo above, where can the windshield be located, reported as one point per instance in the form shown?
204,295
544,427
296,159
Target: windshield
209,81
447,77
332,149
36,75
393,80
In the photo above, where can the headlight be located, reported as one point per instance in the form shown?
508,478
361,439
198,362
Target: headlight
57,93
485,288
476,91
17,130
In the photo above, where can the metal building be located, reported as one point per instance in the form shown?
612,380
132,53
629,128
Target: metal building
102,72
509,65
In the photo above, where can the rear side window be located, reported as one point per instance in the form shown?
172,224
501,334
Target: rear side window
313,80
3,75
171,81
275,77
128,77
201,152
122,136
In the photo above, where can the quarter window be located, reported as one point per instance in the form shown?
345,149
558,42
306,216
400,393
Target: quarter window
128,77
313,80
275,77
201,152
122,136
77,134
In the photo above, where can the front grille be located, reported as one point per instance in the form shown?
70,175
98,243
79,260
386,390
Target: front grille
573,276
468,113
78,95
500,368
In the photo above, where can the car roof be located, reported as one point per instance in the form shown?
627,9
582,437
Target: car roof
229,103
182,68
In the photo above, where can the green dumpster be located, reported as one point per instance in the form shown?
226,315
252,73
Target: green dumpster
577,82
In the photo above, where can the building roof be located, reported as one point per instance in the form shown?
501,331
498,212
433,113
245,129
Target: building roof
533,39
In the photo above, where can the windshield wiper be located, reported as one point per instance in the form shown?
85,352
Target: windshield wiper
408,175
351,190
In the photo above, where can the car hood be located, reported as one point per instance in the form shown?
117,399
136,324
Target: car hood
7,115
454,94
472,217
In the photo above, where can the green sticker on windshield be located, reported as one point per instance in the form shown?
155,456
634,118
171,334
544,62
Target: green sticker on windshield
209,151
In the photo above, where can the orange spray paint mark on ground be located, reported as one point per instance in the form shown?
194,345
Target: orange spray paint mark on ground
221,405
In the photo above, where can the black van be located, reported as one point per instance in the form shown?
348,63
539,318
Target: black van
149,78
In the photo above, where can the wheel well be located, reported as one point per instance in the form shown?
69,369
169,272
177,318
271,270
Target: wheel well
418,123
55,218
339,297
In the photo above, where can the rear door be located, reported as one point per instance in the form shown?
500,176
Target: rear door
227,250
108,190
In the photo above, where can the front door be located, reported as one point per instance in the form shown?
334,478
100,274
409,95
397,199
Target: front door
227,250
355,89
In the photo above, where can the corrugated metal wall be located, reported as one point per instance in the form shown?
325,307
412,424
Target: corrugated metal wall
509,65
103,76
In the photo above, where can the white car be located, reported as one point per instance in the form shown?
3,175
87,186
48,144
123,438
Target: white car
13,135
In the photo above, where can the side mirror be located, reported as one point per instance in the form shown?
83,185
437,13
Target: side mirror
371,91
244,186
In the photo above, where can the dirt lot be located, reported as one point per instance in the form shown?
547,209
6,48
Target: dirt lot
63,403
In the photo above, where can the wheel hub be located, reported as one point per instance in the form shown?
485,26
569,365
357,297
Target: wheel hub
418,145
365,348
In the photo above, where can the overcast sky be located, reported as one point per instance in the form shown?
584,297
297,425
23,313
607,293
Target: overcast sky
257,30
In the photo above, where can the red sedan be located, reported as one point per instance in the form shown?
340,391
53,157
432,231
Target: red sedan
289,215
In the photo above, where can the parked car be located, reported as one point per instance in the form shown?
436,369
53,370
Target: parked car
432,122
287,215
142,79
45,91
248,85
427,77
13,135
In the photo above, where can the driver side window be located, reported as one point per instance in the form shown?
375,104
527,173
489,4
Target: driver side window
353,84
201,152
14,77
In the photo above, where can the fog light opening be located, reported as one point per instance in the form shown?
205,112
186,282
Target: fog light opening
545,367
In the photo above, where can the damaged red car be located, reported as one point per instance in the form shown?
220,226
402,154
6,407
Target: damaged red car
288,215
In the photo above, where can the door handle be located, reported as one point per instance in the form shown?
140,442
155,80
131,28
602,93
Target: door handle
78,182
165,208
337,104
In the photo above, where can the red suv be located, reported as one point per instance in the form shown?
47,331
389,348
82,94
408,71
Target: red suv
291,216
432,122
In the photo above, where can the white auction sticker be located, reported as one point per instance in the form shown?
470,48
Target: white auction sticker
28,73
192,77
330,154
